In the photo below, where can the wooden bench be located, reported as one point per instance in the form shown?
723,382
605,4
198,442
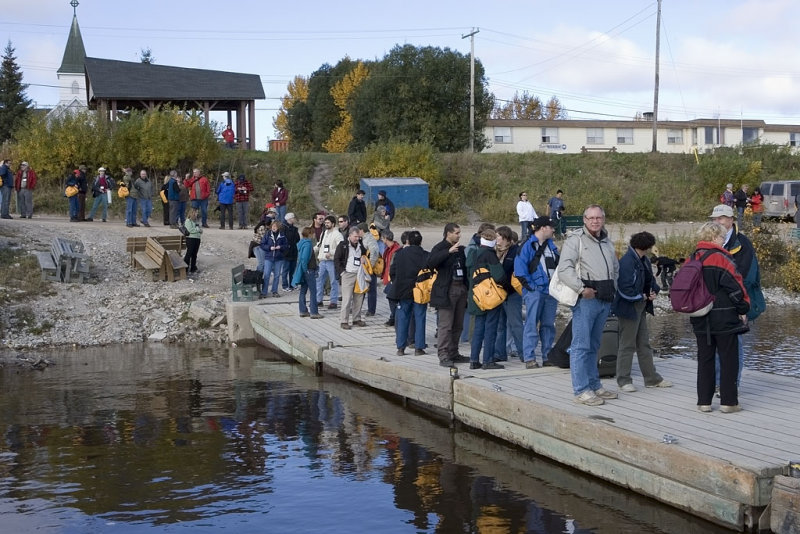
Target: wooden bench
50,271
587,149
167,264
169,242
65,262
240,290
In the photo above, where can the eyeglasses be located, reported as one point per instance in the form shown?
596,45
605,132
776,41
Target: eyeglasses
342,220
600,218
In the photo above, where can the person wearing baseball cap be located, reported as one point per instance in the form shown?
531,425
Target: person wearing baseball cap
100,191
534,266
744,256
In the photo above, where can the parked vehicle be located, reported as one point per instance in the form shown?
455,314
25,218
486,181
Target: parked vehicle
779,198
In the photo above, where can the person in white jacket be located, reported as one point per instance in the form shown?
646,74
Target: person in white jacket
325,249
526,216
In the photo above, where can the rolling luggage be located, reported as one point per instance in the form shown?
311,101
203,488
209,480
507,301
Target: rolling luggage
606,354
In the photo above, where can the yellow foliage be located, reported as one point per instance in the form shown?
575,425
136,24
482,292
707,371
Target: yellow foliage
297,91
341,92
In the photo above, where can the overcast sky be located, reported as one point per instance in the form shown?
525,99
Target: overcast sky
730,59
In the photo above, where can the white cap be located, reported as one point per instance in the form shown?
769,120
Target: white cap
721,210
289,216
226,174
24,163
101,169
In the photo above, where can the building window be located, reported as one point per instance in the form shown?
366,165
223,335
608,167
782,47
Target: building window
502,134
594,136
624,136
694,136
549,135
674,137
749,136
714,136
794,139
75,88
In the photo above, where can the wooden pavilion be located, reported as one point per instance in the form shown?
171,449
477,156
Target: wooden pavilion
114,86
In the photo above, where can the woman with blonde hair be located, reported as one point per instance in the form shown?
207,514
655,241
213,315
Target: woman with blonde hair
717,331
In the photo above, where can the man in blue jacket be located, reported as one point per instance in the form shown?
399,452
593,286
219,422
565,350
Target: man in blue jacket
225,192
7,177
534,266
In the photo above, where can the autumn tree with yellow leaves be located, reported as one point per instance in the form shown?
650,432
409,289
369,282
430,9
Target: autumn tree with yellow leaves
342,93
297,92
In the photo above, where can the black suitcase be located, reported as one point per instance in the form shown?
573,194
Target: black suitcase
606,354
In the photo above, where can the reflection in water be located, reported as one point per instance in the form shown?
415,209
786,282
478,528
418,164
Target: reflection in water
154,438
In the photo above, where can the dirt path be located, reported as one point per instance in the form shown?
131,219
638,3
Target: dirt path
320,180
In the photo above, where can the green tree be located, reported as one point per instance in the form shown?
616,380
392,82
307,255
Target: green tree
529,106
421,94
146,56
14,105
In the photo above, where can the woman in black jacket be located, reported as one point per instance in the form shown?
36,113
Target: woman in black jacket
718,330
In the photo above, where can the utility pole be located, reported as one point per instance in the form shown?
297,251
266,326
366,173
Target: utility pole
655,93
472,87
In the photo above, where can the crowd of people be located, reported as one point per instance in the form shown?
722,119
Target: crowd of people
345,256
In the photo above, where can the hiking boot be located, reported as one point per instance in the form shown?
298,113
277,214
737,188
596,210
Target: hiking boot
492,365
389,323
345,326
705,408
474,365
89,219
662,384
603,393
316,316
460,358
447,363
359,323
531,365
730,409
548,363
319,305
370,314
305,315
276,294
419,352
332,306
588,398
401,352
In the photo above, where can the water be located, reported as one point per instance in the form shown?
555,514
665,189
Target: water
152,438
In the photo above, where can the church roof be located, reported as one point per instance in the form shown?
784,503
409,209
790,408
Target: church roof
125,80
74,53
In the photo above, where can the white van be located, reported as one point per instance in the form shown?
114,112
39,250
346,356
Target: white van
779,198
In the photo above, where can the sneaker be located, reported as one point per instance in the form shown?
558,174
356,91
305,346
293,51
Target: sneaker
603,393
629,388
548,363
389,323
447,363
492,365
359,323
662,384
419,352
146,225
305,315
275,294
401,352
705,408
730,409
206,226
89,219
332,306
370,314
316,316
531,365
345,326
474,365
460,358
589,398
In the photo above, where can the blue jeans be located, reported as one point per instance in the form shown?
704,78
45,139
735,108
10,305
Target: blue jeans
524,227
402,319
326,269
484,334
281,214
100,200
308,283
146,205
588,319
202,205
271,267
465,327
288,272
73,207
260,255
130,211
181,217
540,324
509,327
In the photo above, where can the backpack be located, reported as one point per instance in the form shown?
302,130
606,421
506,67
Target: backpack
486,293
378,266
123,191
688,292
423,286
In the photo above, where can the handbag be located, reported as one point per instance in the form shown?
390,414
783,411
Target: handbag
560,291
183,230
71,191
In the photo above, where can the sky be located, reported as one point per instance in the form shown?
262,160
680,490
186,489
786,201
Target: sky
731,59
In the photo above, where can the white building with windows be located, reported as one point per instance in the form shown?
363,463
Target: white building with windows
679,137
71,75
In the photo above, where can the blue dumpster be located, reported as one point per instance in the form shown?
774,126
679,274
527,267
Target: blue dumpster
404,192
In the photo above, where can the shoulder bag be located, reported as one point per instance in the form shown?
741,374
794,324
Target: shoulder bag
559,290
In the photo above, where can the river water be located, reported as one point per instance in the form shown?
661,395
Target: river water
154,438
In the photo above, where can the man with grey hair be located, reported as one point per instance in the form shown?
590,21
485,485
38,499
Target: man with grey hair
589,266
348,259
6,186
373,253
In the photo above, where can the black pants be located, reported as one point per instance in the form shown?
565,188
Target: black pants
165,212
190,258
728,348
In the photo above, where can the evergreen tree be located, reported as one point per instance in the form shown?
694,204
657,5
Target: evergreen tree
14,105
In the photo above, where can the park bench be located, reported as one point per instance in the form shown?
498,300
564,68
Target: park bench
587,149
169,242
167,264
65,262
240,290
572,222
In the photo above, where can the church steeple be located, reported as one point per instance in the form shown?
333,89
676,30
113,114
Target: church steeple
74,53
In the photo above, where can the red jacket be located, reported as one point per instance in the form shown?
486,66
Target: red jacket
31,180
387,261
228,135
202,185
279,197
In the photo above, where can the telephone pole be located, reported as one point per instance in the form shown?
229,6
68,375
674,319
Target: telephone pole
472,87
655,93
